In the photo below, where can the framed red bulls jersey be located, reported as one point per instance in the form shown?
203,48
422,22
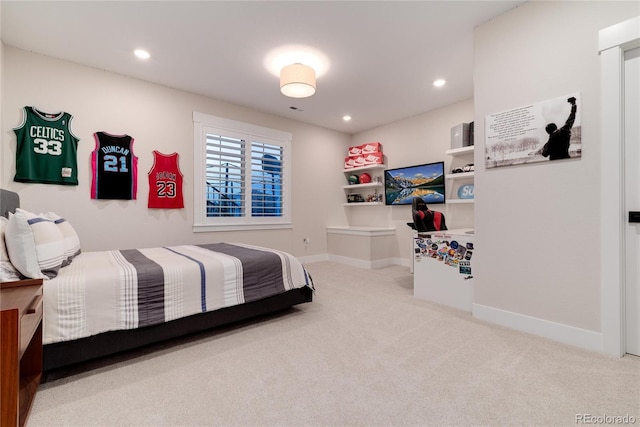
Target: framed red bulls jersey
165,182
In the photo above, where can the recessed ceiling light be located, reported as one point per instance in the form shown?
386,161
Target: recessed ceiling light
439,82
142,54
346,118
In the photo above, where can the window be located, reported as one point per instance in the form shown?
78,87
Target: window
241,175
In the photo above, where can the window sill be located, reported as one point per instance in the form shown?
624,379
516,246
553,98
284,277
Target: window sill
205,228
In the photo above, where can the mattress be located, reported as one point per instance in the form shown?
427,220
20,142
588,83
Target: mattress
127,289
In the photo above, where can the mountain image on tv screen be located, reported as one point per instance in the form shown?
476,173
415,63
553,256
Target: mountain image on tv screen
401,185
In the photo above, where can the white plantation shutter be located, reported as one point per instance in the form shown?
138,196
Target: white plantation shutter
224,175
266,179
240,175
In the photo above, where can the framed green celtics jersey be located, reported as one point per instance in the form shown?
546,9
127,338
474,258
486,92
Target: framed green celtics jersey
46,149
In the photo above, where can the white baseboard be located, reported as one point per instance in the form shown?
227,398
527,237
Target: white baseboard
313,258
360,263
571,335
356,262
403,262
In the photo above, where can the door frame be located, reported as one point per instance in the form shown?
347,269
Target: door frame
613,42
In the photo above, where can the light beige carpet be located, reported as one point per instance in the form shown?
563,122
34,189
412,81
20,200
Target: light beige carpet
364,353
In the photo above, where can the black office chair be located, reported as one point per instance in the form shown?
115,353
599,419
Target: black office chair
425,219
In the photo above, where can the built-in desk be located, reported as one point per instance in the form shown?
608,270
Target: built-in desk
443,267
366,247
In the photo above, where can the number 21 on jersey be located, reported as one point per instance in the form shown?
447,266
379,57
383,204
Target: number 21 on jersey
111,163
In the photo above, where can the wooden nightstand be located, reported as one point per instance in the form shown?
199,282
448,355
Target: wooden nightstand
21,348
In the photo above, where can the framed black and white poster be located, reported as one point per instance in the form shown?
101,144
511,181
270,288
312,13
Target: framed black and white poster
540,132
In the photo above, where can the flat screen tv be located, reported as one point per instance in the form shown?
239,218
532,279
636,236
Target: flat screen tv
401,185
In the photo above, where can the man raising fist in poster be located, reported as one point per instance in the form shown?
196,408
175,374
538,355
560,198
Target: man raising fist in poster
557,147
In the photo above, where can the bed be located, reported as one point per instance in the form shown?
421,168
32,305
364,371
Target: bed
101,303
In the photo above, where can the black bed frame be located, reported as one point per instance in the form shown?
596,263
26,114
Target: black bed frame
64,354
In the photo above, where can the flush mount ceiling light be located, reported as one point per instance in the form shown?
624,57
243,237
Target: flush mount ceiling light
297,80
288,60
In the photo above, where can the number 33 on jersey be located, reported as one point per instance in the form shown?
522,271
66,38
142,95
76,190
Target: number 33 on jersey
114,167
46,149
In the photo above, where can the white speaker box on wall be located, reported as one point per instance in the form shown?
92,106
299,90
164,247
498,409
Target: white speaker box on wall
460,135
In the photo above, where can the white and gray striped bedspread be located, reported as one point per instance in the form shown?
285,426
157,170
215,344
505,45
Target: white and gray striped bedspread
126,289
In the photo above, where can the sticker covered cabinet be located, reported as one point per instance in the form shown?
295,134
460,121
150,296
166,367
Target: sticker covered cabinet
443,267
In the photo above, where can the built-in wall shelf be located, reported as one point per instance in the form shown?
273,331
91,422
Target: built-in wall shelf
365,168
460,175
370,191
360,186
460,151
364,204
462,156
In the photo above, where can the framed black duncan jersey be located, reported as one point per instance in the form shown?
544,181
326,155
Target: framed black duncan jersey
114,167
46,150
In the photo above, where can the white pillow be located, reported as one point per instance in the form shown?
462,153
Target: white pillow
8,272
21,246
44,235
71,239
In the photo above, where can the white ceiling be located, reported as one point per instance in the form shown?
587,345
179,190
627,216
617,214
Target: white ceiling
383,55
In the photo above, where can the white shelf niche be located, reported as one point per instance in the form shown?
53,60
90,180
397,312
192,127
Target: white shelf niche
364,168
360,186
460,151
460,175
356,187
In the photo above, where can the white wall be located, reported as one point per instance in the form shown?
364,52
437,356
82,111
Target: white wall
420,139
538,226
159,118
